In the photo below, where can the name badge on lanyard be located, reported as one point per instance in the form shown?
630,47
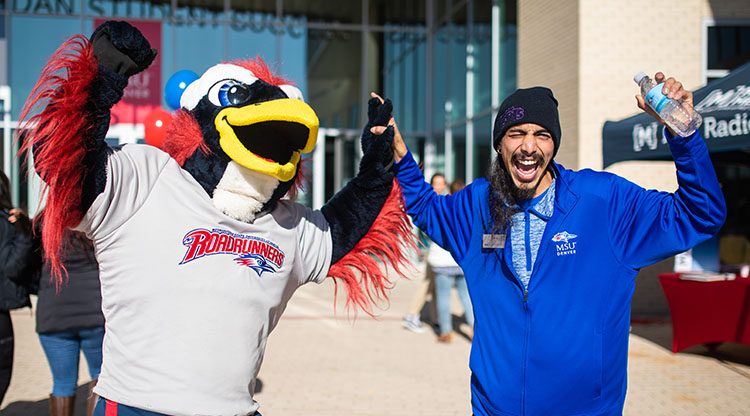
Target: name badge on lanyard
493,241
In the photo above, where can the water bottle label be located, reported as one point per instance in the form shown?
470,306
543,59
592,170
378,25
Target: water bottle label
656,99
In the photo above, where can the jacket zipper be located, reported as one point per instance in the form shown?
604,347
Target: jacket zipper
525,350
527,244
525,292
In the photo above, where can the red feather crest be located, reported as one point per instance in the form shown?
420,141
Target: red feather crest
184,137
261,71
54,124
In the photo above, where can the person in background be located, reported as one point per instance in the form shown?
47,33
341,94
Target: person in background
70,321
448,274
551,256
15,251
412,320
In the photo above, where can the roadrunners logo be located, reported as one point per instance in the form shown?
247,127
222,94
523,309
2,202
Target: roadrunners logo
564,244
255,253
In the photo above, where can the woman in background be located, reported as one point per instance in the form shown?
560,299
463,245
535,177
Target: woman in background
448,275
15,250
426,288
70,320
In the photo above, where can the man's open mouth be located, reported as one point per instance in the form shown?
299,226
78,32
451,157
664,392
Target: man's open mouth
527,168
274,140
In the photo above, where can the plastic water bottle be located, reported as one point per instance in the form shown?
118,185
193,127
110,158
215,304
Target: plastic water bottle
683,121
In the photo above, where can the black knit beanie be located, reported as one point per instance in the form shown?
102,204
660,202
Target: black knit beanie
530,105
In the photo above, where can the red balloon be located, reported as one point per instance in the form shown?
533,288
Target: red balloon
156,125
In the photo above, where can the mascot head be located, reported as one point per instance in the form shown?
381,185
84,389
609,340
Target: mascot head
241,132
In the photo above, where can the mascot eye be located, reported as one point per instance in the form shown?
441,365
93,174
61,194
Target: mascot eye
233,93
228,93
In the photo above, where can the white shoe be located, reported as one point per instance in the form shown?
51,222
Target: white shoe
412,323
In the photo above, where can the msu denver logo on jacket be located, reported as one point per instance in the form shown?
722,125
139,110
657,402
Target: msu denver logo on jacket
564,243
255,253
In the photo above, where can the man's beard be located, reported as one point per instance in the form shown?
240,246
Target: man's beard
505,196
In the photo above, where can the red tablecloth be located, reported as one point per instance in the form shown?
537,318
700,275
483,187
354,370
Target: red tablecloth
707,312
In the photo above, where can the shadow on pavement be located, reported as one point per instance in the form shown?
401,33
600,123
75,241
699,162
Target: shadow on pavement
661,334
459,323
41,407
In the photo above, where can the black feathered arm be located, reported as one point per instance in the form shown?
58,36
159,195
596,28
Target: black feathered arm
121,51
351,211
66,117
369,227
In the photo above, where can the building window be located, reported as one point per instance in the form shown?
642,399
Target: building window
727,46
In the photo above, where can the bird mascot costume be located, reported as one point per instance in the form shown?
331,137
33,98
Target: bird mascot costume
199,251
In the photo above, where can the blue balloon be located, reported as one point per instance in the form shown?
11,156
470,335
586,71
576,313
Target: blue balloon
176,85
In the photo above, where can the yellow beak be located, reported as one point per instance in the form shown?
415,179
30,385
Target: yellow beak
268,137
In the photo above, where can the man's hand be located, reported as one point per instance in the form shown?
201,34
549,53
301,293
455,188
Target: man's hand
672,89
399,147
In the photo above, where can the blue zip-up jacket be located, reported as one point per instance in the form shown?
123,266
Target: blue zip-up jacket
561,348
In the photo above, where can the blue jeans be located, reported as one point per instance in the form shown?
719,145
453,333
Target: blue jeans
63,351
443,285
109,408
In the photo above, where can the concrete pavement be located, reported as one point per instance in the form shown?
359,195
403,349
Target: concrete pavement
321,364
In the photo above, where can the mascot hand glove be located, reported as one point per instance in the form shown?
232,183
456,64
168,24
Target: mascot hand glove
377,152
121,48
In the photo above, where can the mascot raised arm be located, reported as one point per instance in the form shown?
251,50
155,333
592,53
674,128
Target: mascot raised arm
199,252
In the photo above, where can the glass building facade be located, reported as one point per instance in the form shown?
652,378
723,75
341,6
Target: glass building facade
444,63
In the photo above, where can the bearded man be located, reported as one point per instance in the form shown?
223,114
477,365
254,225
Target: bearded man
551,255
